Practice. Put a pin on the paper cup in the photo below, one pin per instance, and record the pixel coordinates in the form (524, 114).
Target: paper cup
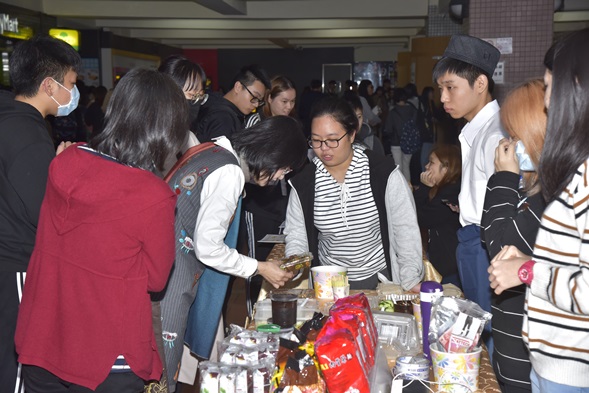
(456, 372)
(322, 276)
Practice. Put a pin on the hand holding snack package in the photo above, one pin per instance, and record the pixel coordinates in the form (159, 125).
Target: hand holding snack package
(295, 263)
(456, 325)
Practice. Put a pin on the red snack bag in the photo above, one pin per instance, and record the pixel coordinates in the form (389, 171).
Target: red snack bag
(365, 322)
(361, 300)
(344, 320)
(340, 361)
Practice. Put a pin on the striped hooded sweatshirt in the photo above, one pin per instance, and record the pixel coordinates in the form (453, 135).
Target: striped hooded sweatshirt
(556, 322)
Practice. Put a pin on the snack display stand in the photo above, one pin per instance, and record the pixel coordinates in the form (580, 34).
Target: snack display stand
(487, 380)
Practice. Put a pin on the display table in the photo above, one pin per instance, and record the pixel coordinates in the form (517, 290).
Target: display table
(487, 380)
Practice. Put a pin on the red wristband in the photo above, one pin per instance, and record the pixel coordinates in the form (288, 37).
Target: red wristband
(526, 272)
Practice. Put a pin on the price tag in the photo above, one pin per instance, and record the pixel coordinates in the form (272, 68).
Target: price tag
(397, 386)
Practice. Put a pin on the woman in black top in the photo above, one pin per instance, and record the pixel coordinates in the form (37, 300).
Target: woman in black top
(511, 216)
(440, 188)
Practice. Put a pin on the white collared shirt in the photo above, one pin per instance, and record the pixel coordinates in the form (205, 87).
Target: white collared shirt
(478, 141)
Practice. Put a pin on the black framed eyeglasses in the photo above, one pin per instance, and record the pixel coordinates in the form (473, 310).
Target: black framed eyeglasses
(331, 143)
(255, 100)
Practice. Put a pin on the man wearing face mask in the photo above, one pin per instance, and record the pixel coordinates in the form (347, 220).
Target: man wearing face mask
(43, 73)
(70, 127)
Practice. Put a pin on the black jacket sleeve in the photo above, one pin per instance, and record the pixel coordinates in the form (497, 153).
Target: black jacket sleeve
(509, 217)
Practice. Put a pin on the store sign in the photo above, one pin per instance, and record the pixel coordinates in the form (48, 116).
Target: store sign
(7, 24)
(72, 37)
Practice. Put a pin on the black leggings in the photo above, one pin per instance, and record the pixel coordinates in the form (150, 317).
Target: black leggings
(39, 380)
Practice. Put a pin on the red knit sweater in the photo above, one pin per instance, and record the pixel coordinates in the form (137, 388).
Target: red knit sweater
(105, 238)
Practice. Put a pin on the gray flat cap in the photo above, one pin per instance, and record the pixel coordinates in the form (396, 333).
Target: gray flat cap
(473, 50)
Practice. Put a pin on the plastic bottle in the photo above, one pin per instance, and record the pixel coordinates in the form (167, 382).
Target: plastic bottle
(430, 291)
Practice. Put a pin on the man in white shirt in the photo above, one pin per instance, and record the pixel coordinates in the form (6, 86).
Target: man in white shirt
(464, 75)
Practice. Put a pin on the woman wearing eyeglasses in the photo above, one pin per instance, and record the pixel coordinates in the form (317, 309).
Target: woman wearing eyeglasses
(352, 209)
(189, 77)
(209, 185)
(281, 100)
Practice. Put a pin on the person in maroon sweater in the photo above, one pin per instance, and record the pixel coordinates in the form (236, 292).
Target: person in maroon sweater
(105, 239)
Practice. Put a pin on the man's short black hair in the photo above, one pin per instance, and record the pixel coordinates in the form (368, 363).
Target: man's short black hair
(462, 69)
(251, 73)
(275, 143)
(38, 58)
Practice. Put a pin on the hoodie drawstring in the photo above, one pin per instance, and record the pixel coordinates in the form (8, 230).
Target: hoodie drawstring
(344, 196)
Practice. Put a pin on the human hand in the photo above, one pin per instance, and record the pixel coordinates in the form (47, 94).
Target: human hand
(508, 252)
(416, 288)
(62, 146)
(503, 271)
(454, 208)
(272, 273)
(427, 178)
(505, 158)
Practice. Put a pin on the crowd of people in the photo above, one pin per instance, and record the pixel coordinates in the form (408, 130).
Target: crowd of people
(120, 234)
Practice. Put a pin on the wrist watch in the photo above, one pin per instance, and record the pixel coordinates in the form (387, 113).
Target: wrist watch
(526, 272)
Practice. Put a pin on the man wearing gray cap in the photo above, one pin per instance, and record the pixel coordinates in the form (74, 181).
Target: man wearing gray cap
(464, 75)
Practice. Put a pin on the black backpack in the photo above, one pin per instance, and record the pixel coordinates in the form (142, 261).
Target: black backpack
(425, 132)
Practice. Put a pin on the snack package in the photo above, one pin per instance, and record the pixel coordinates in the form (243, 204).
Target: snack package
(222, 378)
(262, 378)
(343, 320)
(340, 287)
(368, 337)
(249, 338)
(361, 300)
(340, 361)
(209, 377)
(456, 324)
(296, 262)
(297, 370)
(312, 327)
(228, 379)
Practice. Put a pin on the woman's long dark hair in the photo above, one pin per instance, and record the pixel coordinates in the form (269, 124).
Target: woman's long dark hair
(187, 75)
(567, 136)
(363, 91)
(145, 121)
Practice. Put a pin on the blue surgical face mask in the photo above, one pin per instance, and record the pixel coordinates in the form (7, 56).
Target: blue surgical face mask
(525, 162)
(64, 110)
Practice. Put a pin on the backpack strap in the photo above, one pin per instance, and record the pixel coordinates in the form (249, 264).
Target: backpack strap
(186, 157)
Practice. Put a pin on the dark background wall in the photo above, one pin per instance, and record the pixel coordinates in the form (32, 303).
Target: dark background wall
(301, 66)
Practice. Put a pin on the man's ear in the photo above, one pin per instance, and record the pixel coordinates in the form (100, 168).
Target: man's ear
(481, 83)
(237, 87)
(47, 86)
